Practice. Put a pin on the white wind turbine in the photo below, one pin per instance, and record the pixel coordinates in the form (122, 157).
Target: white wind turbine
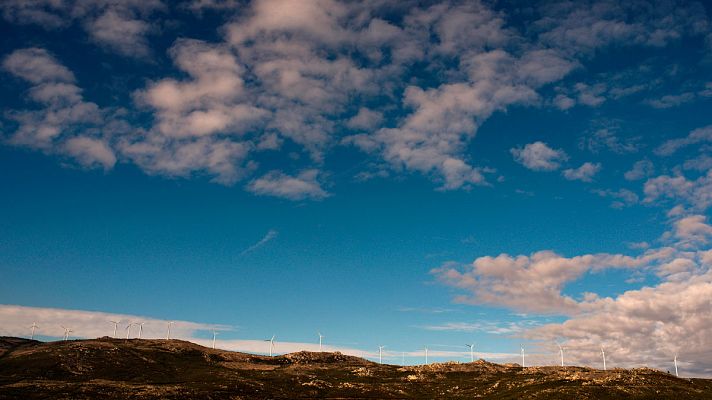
(128, 329)
(168, 334)
(140, 329)
(67, 331)
(214, 335)
(561, 353)
(271, 345)
(675, 361)
(34, 326)
(603, 355)
(116, 323)
(426, 355)
(320, 339)
(521, 347)
(472, 351)
(380, 354)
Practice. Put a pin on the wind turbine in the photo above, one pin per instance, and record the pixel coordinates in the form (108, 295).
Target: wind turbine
(426, 355)
(561, 353)
(67, 331)
(380, 354)
(320, 338)
(675, 361)
(271, 345)
(215, 334)
(472, 351)
(168, 334)
(128, 329)
(521, 347)
(603, 354)
(115, 325)
(34, 326)
(140, 329)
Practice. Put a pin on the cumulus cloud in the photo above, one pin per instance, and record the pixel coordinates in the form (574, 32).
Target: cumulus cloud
(640, 170)
(63, 123)
(530, 283)
(36, 65)
(584, 173)
(276, 183)
(124, 34)
(622, 197)
(311, 76)
(647, 325)
(90, 151)
(699, 135)
(538, 156)
(121, 26)
(695, 193)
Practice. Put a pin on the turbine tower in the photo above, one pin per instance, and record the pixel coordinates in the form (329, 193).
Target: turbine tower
(115, 325)
(168, 334)
(320, 339)
(426, 355)
(603, 354)
(675, 361)
(140, 329)
(215, 334)
(561, 353)
(380, 354)
(34, 326)
(67, 331)
(128, 329)
(271, 345)
(472, 351)
(521, 347)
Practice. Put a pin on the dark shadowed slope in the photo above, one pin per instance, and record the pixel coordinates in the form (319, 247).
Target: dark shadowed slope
(173, 369)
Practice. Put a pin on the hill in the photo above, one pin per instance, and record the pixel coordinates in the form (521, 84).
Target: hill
(172, 369)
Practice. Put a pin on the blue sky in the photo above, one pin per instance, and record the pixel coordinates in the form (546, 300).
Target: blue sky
(420, 174)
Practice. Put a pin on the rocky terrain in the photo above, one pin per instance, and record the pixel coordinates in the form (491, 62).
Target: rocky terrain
(172, 369)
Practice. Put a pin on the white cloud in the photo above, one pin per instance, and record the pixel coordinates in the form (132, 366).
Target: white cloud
(17, 321)
(608, 138)
(365, 119)
(89, 151)
(623, 197)
(641, 169)
(584, 173)
(671, 100)
(695, 193)
(300, 187)
(643, 326)
(269, 236)
(36, 65)
(118, 25)
(53, 128)
(699, 135)
(122, 33)
(284, 74)
(692, 231)
(530, 283)
(538, 156)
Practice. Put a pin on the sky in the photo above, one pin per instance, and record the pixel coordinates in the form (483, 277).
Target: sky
(403, 174)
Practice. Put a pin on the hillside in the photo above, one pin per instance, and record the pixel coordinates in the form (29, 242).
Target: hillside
(172, 369)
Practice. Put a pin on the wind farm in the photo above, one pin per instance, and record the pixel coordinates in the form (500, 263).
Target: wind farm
(161, 368)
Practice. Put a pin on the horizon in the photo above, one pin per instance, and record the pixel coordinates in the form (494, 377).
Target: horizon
(412, 174)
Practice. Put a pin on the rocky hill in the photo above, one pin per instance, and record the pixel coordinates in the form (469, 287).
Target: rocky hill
(172, 369)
